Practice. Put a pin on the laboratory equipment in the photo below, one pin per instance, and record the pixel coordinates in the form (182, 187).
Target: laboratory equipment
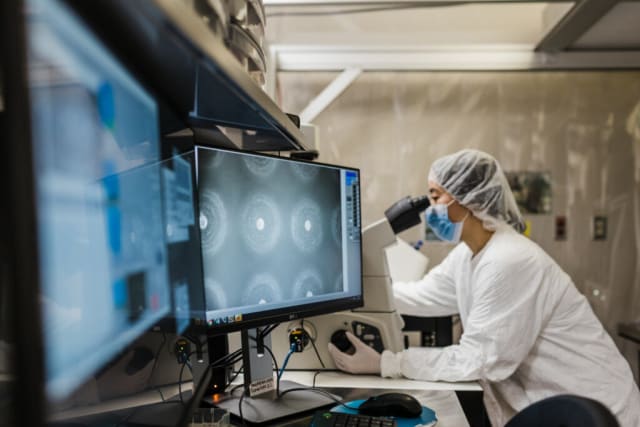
(377, 323)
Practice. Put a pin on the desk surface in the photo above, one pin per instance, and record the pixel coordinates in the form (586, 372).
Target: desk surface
(150, 397)
(341, 379)
(439, 396)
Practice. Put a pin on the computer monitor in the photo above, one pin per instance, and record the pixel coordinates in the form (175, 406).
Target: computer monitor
(280, 238)
(102, 253)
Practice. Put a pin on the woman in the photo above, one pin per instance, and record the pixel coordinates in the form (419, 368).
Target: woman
(528, 333)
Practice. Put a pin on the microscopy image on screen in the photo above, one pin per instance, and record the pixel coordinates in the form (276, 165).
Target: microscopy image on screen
(280, 223)
(263, 288)
(337, 283)
(304, 172)
(307, 284)
(260, 166)
(261, 223)
(306, 225)
(213, 222)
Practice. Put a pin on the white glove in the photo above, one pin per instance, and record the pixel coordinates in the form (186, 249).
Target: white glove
(365, 360)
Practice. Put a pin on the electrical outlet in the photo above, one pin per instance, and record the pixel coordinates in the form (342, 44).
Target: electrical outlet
(298, 338)
(301, 333)
(182, 350)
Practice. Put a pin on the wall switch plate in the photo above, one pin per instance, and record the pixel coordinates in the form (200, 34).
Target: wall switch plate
(599, 227)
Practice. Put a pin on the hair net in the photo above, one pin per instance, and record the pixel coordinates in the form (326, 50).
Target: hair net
(476, 181)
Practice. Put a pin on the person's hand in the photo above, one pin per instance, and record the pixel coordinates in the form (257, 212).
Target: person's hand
(365, 360)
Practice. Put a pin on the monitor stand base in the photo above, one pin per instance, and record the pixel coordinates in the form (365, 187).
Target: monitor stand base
(267, 407)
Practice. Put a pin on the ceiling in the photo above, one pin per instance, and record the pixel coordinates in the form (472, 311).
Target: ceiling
(427, 34)
(619, 28)
(422, 24)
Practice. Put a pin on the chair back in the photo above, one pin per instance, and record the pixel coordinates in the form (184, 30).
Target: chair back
(564, 411)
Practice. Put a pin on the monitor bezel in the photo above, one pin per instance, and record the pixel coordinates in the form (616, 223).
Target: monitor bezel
(300, 311)
(19, 235)
(168, 324)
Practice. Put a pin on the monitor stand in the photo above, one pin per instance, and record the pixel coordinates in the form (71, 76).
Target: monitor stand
(268, 406)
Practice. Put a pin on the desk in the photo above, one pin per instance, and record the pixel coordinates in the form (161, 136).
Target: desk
(120, 404)
(439, 396)
(341, 380)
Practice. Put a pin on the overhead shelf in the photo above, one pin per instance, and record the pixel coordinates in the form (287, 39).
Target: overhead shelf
(174, 52)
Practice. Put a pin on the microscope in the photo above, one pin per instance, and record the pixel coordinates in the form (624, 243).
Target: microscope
(377, 323)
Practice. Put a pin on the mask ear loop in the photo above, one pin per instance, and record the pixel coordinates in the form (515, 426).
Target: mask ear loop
(468, 210)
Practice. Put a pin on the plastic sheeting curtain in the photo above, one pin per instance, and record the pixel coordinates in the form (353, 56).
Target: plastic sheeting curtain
(583, 128)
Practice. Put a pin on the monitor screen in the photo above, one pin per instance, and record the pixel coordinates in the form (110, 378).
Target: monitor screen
(280, 238)
(98, 184)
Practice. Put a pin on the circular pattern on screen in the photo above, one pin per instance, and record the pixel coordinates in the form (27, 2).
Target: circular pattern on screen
(307, 284)
(215, 297)
(263, 289)
(306, 225)
(213, 221)
(260, 166)
(337, 284)
(304, 172)
(336, 226)
(260, 223)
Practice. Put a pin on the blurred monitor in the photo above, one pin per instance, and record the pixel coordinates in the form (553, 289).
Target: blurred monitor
(280, 238)
(98, 185)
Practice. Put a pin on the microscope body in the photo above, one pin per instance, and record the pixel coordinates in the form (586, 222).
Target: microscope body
(377, 323)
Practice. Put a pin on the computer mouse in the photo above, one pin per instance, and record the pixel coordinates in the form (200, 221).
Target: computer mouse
(391, 404)
(340, 340)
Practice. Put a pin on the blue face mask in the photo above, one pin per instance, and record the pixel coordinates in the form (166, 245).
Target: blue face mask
(437, 217)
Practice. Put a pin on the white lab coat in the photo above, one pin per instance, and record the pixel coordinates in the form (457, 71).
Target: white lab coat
(528, 333)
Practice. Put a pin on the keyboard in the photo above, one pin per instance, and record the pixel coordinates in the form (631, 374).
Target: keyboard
(332, 419)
